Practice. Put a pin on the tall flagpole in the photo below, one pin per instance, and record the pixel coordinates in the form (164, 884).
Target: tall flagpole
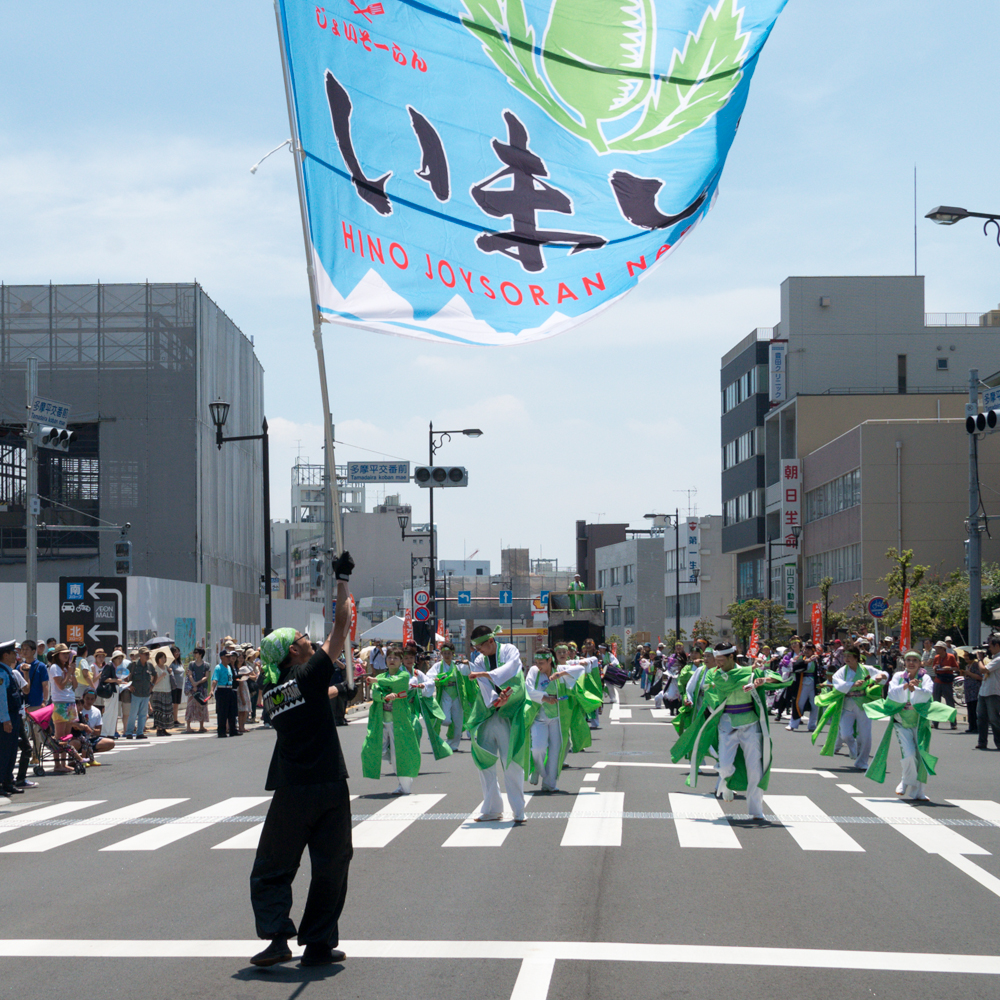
(333, 490)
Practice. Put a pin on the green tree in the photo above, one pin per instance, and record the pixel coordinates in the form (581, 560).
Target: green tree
(904, 573)
(743, 613)
(833, 621)
(703, 628)
(671, 637)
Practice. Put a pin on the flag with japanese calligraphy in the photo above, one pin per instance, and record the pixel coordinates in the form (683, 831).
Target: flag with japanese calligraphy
(498, 171)
(817, 624)
(754, 640)
(904, 624)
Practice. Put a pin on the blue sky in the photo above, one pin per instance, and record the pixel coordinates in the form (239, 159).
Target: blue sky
(126, 135)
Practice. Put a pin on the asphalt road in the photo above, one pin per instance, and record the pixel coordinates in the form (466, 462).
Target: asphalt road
(625, 886)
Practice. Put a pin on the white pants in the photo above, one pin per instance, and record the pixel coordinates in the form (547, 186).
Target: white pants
(806, 693)
(494, 736)
(907, 739)
(750, 740)
(546, 737)
(614, 692)
(109, 715)
(451, 705)
(389, 751)
(860, 747)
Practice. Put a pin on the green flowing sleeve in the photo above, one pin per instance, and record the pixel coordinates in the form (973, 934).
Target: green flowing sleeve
(832, 703)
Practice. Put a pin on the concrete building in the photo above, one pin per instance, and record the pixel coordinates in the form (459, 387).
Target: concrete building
(139, 365)
(849, 349)
(464, 567)
(707, 579)
(889, 483)
(589, 538)
(630, 573)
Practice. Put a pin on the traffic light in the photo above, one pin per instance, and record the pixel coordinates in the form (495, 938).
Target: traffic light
(123, 558)
(316, 574)
(56, 438)
(428, 476)
(982, 422)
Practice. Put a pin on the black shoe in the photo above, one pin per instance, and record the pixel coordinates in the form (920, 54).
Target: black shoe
(321, 954)
(274, 954)
(142, 736)
(978, 747)
(954, 725)
(221, 736)
(13, 790)
(129, 736)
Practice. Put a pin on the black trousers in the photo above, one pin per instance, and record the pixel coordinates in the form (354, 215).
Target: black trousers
(301, 816)
(8, 755)
(25, 759)
(225, 710)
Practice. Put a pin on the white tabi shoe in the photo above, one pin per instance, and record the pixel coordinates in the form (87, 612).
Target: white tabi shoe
(727, 794)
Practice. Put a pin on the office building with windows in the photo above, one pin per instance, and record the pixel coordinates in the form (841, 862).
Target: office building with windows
(846, 350)
(630, 573)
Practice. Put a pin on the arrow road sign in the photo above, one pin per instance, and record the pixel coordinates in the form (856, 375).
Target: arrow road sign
(544, 597)
(506, 597)
(98, 616)
(465, 597)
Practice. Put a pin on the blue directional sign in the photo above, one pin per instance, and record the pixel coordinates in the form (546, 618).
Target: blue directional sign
(465, 597)
(544, 597)
(506, 597)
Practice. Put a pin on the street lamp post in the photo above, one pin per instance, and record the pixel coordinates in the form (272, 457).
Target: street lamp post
(220, 412)
(796, 531)
(432, 449)
(948, 215)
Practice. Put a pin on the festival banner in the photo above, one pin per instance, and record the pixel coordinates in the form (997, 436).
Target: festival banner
(354, 618)
(904, 625)
(754, 640)
(407, 626)
(817, 624)
(498, 171)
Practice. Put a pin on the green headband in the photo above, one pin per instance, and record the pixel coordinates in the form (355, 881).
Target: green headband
(543, 656)
(487, 637)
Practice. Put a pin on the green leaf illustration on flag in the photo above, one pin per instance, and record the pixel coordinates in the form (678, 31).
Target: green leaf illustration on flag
(597, 57)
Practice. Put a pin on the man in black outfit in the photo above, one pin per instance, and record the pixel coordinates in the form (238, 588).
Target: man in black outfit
(311, 806)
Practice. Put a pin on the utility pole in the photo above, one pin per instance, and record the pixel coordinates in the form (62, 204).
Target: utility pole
(975, 551)
(677, 574)
(329, 473)
(31, 508)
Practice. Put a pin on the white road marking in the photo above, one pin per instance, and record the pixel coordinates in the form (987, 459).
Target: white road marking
(983, 808)
(617, 712)
(85, 827)
(596, 820)
(922, 830)
(45, 812)
(701, 822)
(984, 878)
(490, 834)
(660, 713)
(391, 820)
(878, 962)
(168, 833)
(809, 826)
(591, 776)
(704, 769)
(247, 840)
(533, 978)
(850, 789)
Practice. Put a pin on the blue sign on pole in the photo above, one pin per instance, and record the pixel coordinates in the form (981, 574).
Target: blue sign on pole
(877, 607)
(421, 614)
(544, 597)
(465, 597)
(506, 597)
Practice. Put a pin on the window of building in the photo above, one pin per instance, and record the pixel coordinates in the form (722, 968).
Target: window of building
(836, 495)
(750, 578)
(630, 573)
(614, 576)
(630, 616)
(942, 364)
(901, 374)
(840, 565)
(614, 615)
(743, 388)
(601, 577)
(690, 605)
(479, 572)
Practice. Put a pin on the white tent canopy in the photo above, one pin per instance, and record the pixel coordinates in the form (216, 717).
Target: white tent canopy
(390, 630)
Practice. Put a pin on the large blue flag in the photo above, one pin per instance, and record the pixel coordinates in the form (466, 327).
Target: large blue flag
(498, 171)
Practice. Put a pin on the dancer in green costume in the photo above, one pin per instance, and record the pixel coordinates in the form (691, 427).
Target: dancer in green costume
(548, 714)
(390, 727)
(690, 683)
(494, 694)
(738, 725)
(448, 694)
(425, 707)
(582, 703)
(842, 704)
(911, 710)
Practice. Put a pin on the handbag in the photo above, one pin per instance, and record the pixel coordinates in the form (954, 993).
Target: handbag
(202, 699)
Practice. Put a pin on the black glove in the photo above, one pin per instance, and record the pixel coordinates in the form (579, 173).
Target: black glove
(344, 566)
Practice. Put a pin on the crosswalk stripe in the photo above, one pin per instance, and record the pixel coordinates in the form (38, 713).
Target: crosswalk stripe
(45, 812)
(85, 827)
(247, 840)
(809, 826)
(168, 833)
(922, 830)
(701, 822)
(617, 712)
(492, 834)
(660, 713)
(592, 776)
(596, 820)
(391, 820)
(850, 789)
(982, 808)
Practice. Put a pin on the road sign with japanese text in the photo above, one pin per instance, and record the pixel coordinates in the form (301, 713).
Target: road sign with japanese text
(378, 472)
(498, 171)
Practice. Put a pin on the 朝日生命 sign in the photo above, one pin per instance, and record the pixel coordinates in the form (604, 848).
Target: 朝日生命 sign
(498, 171)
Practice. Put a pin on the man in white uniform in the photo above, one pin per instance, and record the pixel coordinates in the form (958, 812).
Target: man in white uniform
(447, 690)
(852, 681)
(494, 667)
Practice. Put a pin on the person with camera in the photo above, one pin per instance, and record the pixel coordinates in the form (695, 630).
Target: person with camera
(311, 806)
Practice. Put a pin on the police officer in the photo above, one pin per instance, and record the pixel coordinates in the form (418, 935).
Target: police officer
(10, 717)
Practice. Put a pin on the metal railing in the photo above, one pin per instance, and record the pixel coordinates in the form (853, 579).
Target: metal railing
(991, 318)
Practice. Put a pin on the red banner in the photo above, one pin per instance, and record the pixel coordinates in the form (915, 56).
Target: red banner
(354, 619)
(754, 640)
(904, 625)
(817, 624)
(407, 626)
